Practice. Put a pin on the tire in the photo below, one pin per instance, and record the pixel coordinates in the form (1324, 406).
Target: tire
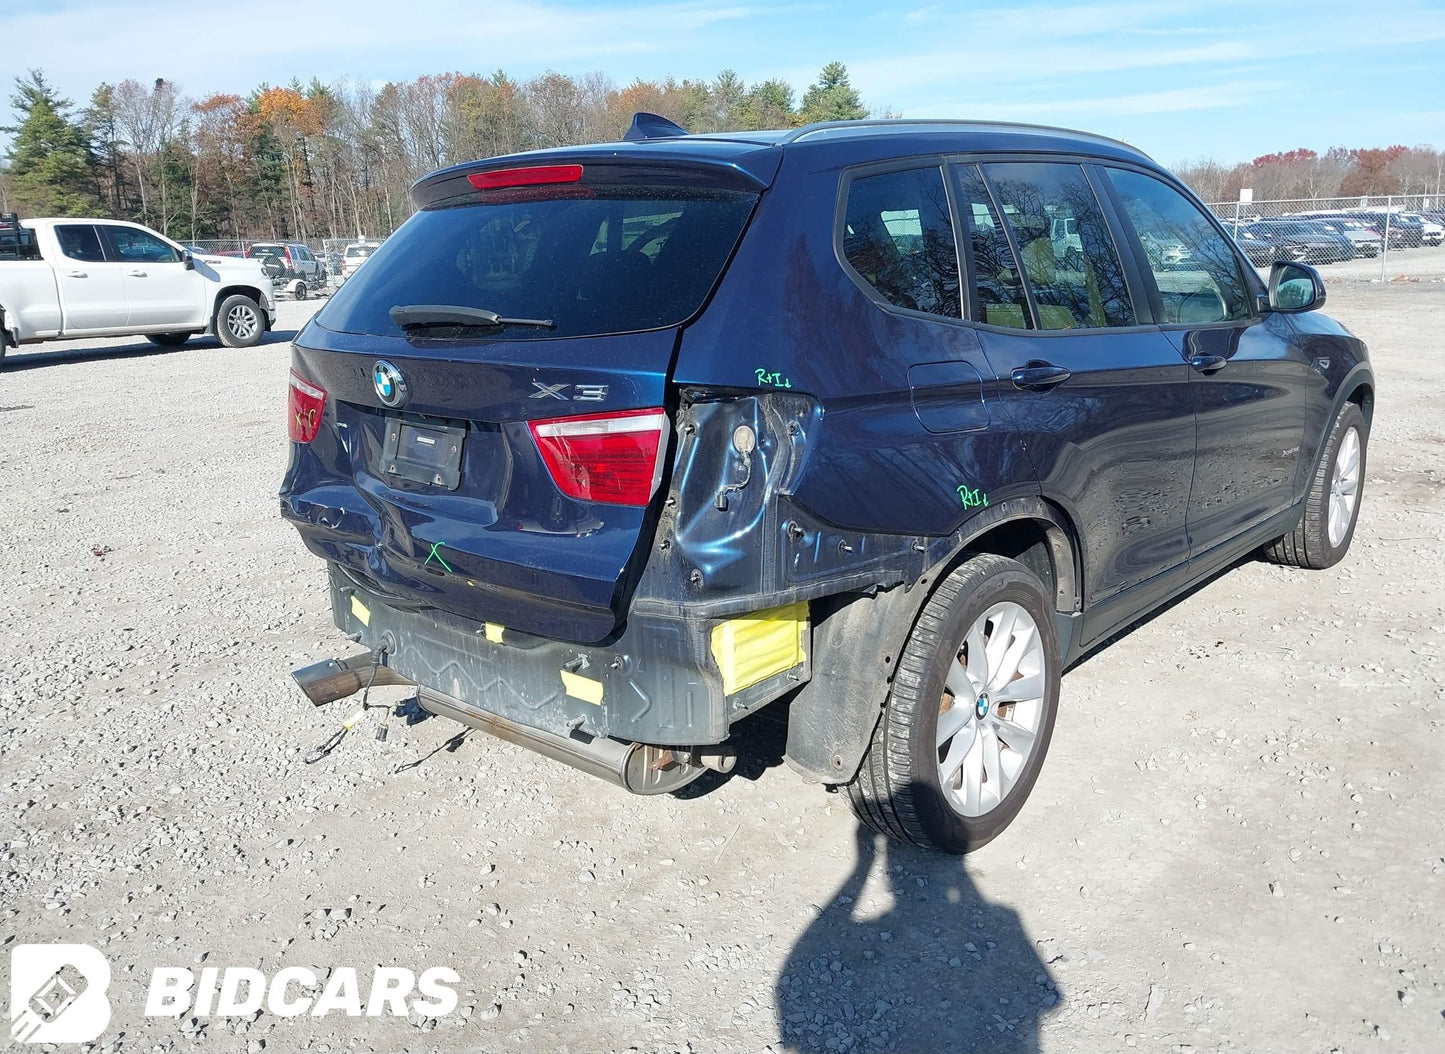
(232, 325)
(900, 788)
(299, 293)
(1318, 542)
(168, 340)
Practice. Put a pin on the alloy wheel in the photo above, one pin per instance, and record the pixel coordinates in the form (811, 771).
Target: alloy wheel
(992, 709)
(1344, 487)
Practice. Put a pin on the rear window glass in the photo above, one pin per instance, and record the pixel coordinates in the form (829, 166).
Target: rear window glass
(620, 260)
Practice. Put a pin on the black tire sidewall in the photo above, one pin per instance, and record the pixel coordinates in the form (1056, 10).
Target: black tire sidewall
(1349, 417)
(946, 827)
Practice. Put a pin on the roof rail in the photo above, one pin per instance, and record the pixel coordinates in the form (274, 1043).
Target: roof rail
(902, 123)
(651, 126)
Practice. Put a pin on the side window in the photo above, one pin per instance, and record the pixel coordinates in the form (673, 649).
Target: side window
(998, 294)
(1068, 255)
(78, 241)
(1195, 270)
(135, 246)
(898, 237)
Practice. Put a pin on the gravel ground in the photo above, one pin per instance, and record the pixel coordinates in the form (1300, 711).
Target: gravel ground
(1237, 843)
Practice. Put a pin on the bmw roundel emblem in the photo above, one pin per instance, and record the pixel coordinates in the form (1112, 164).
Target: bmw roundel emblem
(390, 385)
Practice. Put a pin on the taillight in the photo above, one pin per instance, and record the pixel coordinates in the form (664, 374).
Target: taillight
(287, 251)
(612, 458)
(303, 412)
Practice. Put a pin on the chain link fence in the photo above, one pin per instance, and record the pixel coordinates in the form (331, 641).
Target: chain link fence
(330, 252)
(1385, 238)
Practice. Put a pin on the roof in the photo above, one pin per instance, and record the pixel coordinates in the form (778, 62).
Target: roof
(755, 155)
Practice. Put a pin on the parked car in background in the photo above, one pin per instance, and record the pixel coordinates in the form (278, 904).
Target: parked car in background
(1365, 239)
(354, 256)
(64, 278)
(608, 448)
(291, 266)
(1431, 231)
(1266, 241)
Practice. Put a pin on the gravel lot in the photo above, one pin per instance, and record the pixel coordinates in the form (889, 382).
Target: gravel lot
(1238, 842)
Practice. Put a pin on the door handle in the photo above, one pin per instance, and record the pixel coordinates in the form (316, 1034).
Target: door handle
(1039, 376)
(1208, 363)
(136, 274)
(75, 274)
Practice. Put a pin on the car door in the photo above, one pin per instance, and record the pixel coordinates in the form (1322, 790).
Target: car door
(1246, 377)
(92, 288)
(163, 292)
(1101, 396)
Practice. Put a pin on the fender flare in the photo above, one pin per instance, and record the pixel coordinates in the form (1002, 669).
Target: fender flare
(831, 718)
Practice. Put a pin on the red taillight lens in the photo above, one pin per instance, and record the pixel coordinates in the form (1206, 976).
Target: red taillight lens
(533, 176)
(303, 413)
(612, 458)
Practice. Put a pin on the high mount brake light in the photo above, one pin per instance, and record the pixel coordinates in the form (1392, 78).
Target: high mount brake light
(613, 458)
(532, 176)
(303, 412)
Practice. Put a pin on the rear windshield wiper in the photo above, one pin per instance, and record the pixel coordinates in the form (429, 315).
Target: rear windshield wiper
(427, 316)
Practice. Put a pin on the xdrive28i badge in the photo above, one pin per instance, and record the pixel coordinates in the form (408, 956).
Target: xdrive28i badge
(389, 383)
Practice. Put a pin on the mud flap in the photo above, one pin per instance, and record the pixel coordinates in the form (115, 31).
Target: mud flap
(855, 647)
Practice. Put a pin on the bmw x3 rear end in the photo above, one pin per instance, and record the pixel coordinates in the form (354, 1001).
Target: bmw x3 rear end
(609, 447)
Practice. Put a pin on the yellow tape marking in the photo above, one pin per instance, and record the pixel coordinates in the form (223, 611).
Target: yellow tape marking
(360, 610)
(494, 632)
(584, 688)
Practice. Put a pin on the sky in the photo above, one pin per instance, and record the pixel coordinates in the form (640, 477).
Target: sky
(1185, 80)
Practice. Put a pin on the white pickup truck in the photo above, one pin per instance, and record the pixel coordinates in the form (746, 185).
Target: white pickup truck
(67, 278)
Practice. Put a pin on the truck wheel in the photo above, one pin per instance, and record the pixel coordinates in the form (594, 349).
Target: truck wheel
(1332, 507)
(239, 322)
(300, 291)
(970, 714)
(168, 340)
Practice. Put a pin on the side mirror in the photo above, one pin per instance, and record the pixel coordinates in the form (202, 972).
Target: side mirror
(1295, 287)
(188, 260)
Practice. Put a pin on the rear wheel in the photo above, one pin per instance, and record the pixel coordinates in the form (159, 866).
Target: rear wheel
(968, 721)
(1332, 507)
(168, 340)
(300, 291)
(239, 322)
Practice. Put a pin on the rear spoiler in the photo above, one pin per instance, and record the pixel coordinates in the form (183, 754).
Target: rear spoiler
(676, 161)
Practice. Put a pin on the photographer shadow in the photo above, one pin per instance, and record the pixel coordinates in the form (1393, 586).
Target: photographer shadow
(941, 969)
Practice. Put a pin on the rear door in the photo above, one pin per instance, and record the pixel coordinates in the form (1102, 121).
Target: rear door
(1247, 380)
(161, 290)
(506, 470)
(92, 287)
(1101, 396)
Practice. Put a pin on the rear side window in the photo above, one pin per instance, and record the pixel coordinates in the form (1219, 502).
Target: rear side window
(998, 293)
(621, 259)
(898, 238)
(1194, 268)
(78, 241)
(1068, 255)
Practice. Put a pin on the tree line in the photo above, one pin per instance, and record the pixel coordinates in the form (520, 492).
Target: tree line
(331, 161)
(317, 161)
(1304, 174)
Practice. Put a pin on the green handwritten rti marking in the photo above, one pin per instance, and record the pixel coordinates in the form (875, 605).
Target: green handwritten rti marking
(435, 554)
(772, 380)
(972, 499)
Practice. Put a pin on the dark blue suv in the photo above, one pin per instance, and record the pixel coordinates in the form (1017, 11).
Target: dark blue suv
(610, 446)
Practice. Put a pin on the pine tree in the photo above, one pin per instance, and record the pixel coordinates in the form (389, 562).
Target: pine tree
(52, 170)
(832, 98)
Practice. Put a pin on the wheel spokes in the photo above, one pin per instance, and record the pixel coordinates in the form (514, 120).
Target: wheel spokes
(958, 751)
(953, 720)
(1022, 690)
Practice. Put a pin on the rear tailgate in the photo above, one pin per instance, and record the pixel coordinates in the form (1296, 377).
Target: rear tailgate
(507, 472)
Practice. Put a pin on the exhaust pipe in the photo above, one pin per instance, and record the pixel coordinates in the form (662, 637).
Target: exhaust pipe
(636, 767)
(326, 682)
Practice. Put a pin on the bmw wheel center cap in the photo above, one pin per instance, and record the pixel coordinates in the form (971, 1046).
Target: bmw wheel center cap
(390, 385)
(981, 707)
